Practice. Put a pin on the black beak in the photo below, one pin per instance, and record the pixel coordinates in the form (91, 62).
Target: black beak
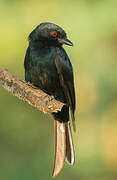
(65, 41)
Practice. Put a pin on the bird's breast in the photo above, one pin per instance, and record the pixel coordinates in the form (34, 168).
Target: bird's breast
(43, 71)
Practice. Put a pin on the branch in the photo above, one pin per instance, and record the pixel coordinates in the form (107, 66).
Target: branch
(28, 93)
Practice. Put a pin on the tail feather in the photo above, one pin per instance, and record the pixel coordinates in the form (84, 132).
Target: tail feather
(70, 157)
(60, 147)
(64, 149)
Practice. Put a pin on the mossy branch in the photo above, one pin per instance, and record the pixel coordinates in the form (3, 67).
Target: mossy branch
(28, 93)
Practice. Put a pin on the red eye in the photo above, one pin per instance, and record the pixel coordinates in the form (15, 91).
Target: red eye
(54, 33)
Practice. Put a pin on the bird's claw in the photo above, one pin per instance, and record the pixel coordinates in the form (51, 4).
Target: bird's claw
(49, 98)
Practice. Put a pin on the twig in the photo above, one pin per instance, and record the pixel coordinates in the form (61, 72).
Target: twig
(28, 92)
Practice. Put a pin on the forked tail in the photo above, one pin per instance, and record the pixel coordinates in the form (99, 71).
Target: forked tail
(64, 149)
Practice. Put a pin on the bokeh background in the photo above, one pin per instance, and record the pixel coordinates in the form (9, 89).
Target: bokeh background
(27, 135)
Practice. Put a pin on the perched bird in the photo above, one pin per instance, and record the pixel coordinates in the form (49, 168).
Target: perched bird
(48, 67)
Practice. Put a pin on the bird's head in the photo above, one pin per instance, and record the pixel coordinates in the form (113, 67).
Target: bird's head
(49, 34)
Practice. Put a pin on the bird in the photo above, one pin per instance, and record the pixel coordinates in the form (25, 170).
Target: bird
(48, 67)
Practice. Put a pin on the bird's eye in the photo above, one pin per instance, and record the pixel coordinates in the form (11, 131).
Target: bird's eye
(53, 34)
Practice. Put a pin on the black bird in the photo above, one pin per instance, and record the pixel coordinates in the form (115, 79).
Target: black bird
(48, 67)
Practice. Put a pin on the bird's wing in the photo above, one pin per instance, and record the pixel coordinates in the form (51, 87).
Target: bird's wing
(65, 72)
(27, 57)
(26, 65)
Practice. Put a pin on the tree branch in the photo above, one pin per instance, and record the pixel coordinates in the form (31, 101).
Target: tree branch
(28, 93)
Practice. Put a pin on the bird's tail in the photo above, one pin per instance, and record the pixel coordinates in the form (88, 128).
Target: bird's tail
(70, 157)
(60, 147)
(64, 149)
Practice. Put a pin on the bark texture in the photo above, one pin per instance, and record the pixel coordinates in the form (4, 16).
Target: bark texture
(28, 93)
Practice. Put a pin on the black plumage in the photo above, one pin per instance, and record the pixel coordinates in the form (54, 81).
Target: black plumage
(48, 67)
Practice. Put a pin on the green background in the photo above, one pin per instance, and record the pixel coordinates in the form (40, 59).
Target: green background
(27, 135)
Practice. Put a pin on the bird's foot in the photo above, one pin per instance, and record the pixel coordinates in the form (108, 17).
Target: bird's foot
(31, 84)
(49, 98)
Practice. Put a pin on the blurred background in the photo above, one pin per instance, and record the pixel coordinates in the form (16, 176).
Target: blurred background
(27, 135)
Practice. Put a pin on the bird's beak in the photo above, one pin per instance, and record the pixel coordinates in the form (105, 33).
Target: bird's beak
(65, 41)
